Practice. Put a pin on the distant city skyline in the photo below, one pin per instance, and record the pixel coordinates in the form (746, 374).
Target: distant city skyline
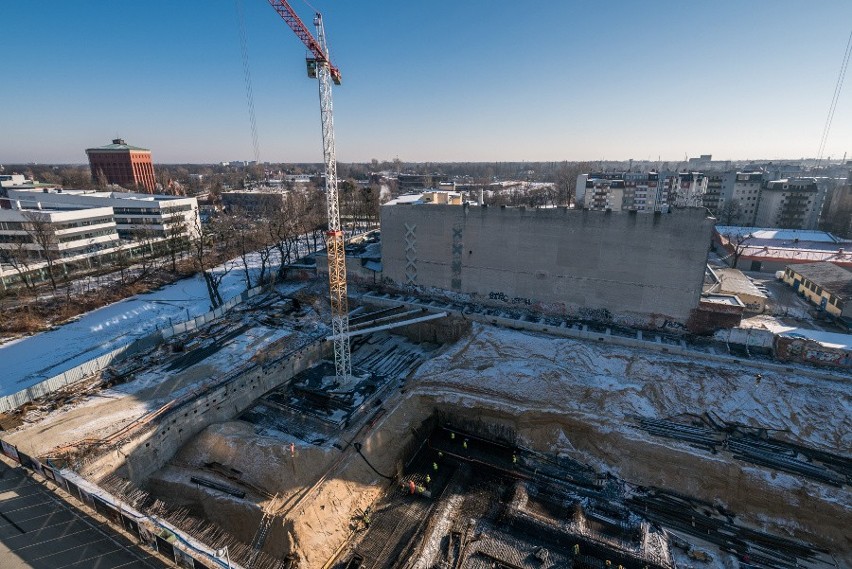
(429, 82)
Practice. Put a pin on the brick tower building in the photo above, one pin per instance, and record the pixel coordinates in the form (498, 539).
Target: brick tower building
(122, 164)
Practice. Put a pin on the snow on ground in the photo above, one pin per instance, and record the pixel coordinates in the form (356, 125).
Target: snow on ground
(28, 361)
(606, 385)
(212, 353)
(33, 359)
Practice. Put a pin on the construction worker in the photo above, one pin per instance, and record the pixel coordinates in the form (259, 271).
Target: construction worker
(435, 466)
(452, 436)
(464, 444)
(514, 458)
(428, 479)
(411, 486)
(440, 455)
(576, 549)
(608, 563)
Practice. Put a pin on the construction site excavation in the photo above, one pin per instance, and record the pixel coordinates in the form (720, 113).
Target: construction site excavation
(470, 386)
(454, 442)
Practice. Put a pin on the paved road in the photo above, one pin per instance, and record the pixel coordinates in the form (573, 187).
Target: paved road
(39, 531)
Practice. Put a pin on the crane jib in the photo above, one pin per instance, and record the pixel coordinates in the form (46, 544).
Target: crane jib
(303, 33)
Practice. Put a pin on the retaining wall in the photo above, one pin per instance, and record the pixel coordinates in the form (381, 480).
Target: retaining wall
(146, 453)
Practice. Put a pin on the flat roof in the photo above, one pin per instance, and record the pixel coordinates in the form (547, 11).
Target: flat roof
(735, 282)
(829, 276)
(415, 198)
(117, 145)
(101, 194)
(828, 339)
(790, 236)
(728, 299)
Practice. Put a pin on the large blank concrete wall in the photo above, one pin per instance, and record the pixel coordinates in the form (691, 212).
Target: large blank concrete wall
(629, 264)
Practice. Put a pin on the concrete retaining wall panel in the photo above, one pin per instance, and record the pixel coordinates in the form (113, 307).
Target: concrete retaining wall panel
(146, 454)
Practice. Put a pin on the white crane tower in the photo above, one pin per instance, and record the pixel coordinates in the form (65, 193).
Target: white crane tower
(320, 67)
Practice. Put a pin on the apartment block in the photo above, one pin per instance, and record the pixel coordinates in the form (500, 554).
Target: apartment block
(789, 203)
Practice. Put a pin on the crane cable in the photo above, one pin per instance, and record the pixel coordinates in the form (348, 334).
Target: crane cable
(837, 88)
(311, 7)
(247, 79)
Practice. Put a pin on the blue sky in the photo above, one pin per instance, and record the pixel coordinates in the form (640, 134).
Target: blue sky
(438, 80)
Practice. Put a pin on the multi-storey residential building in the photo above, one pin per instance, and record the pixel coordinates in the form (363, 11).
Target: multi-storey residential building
(603, 194)
(155, 216)
(122, 164)
(789, 204)
(720, 186)
(836, 214)
(689, 189)
(741, 207)
(631, 191)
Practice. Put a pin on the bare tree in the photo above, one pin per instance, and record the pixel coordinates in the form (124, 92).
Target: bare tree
(203, 249)
(177, 240)
(731, 213)
(42, 232)
(78, 177)
(144, 239)
(19, 256)
(739, 242)
(121, 260)
(283, 225)
(245, 235)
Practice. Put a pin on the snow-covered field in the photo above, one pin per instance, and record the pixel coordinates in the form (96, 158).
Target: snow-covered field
(28, 361)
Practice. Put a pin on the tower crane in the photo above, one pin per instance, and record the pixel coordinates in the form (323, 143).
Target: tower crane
(320, 67)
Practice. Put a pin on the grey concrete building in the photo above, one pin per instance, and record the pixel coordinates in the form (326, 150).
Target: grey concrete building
(789, 204)
(640, 267)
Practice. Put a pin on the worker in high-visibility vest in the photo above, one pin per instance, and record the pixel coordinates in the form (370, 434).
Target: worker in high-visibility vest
(435, 466)
(428, 479)
(464, 444)
(576, 549)
(452, 436)
(514, 458)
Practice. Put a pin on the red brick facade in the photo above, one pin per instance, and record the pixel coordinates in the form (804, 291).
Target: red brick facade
(118, 163)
